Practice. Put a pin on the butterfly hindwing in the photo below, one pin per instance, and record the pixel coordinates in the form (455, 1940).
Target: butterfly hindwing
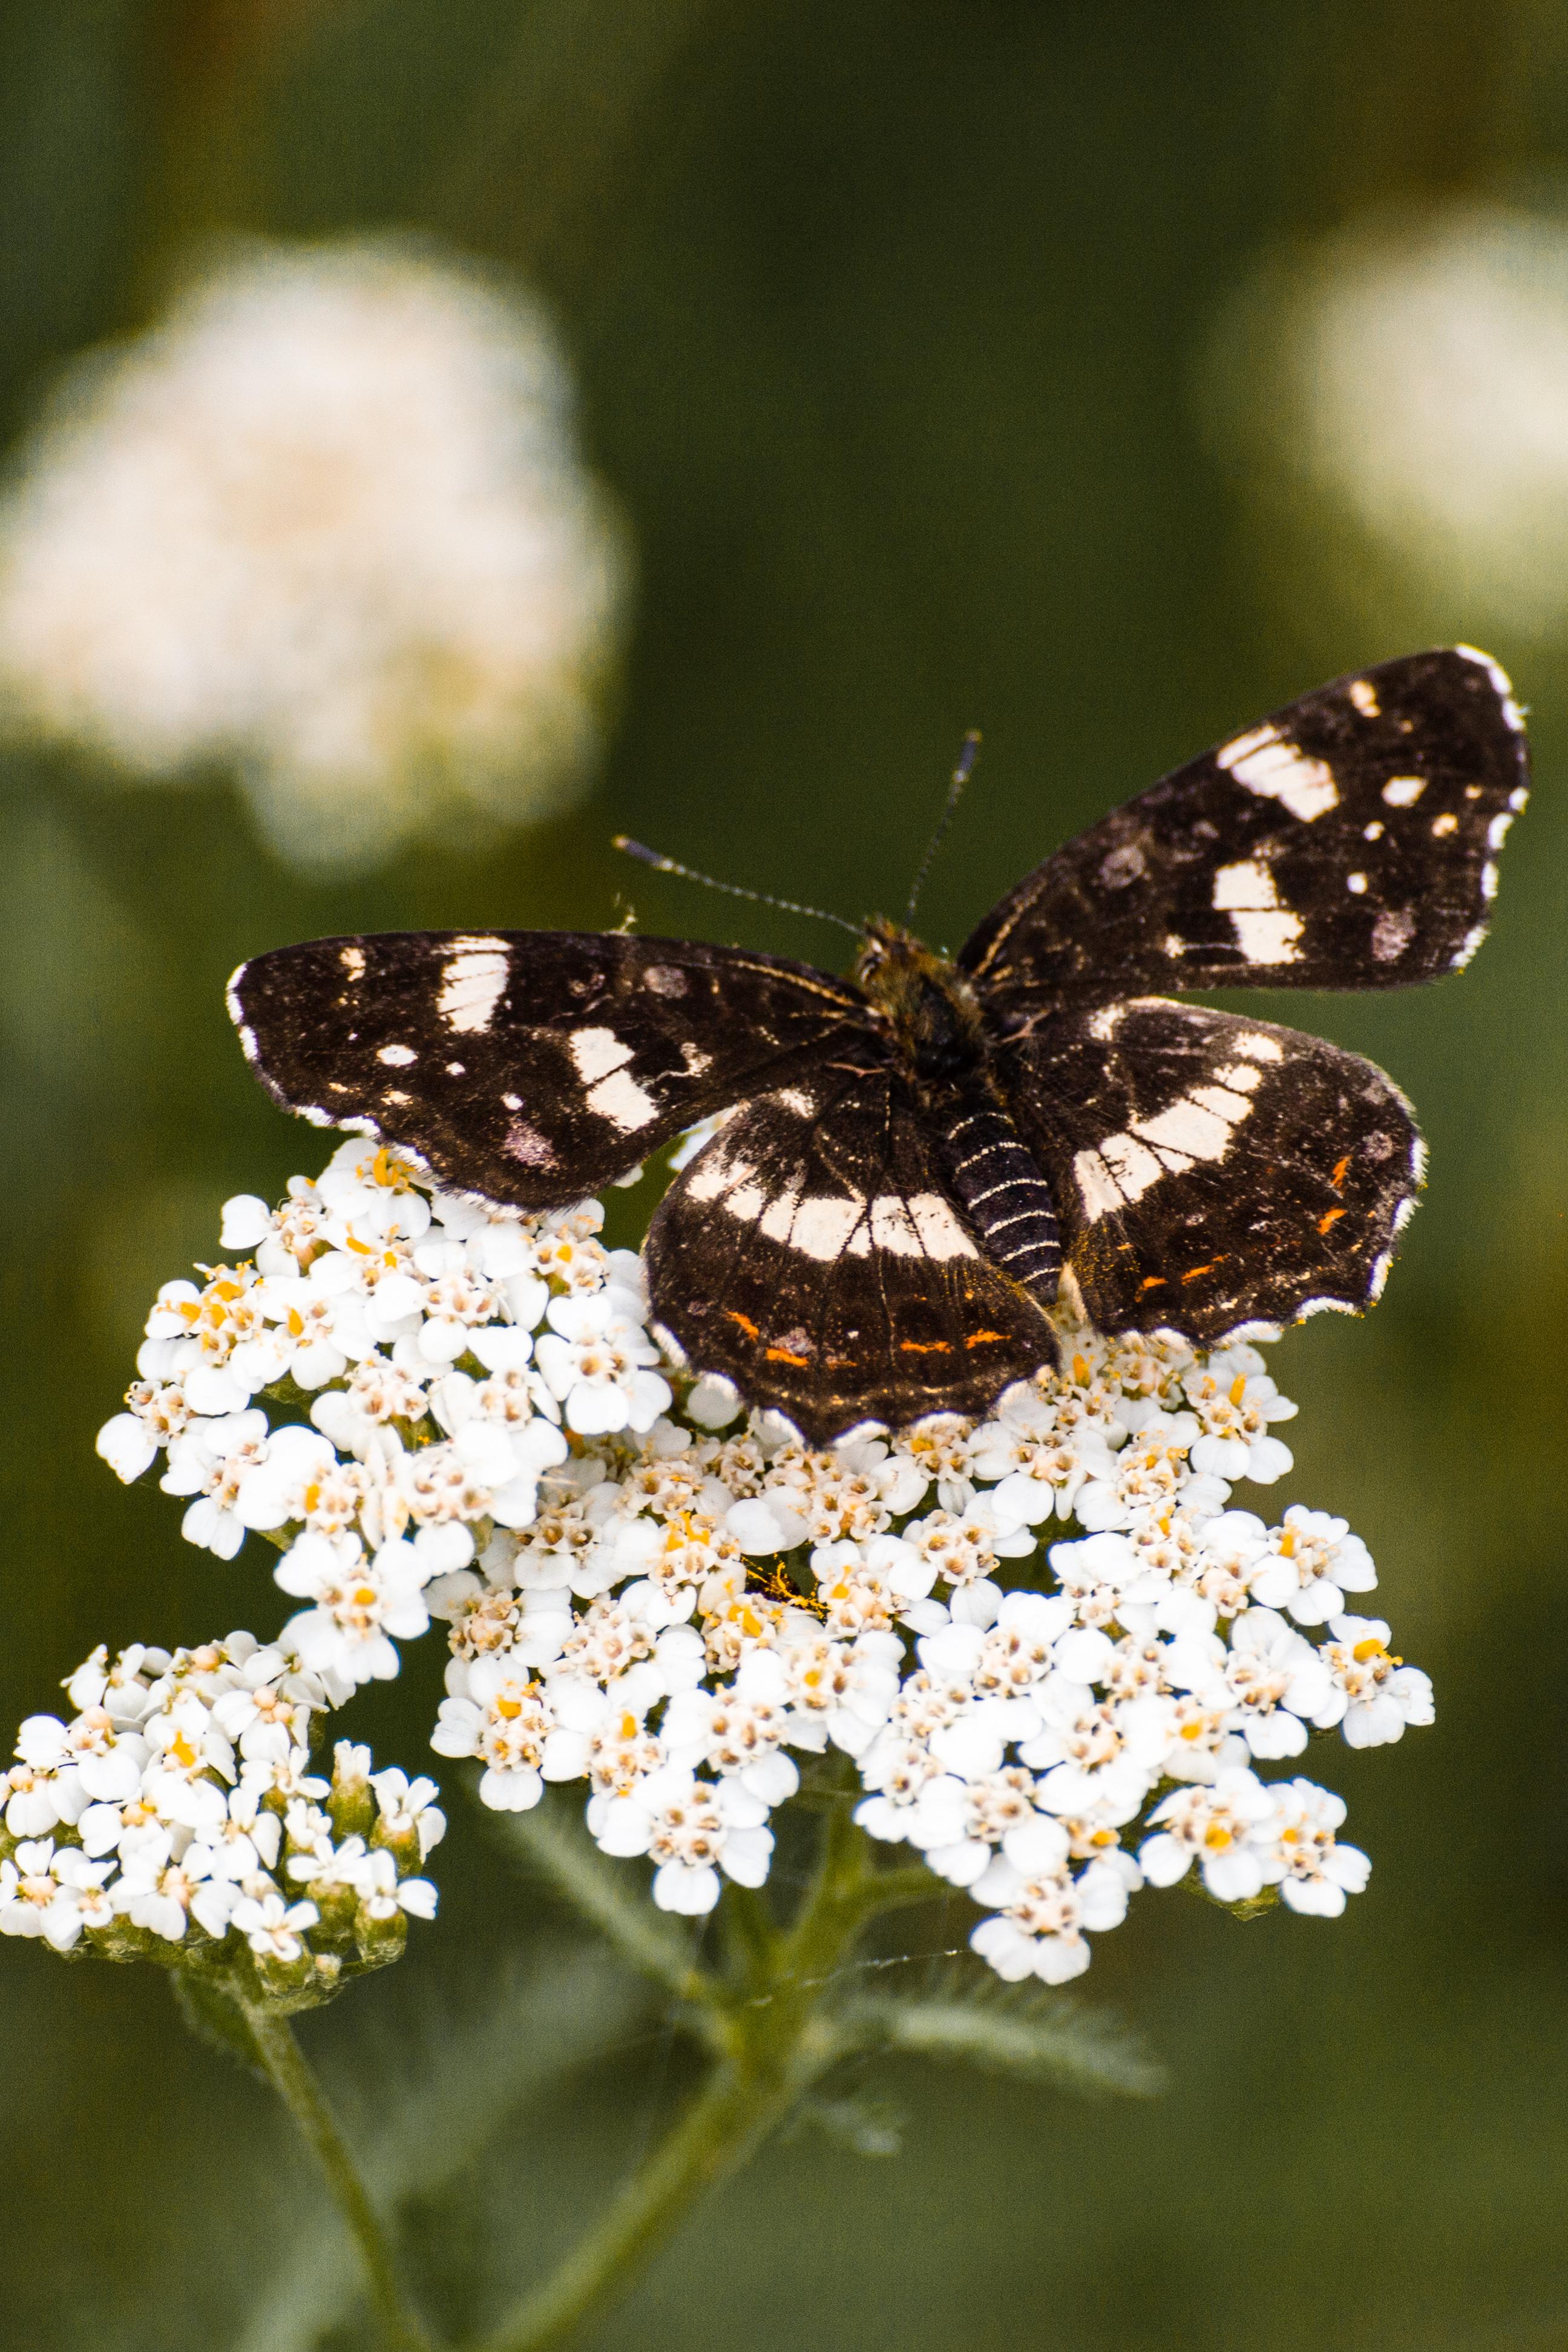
(531, 1066)
(811, 1254)
(1348, 842)
(1211, 1171)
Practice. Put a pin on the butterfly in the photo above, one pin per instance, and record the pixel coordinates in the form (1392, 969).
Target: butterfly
(914, 1159)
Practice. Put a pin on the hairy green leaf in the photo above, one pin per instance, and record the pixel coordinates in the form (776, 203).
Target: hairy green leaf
(1030, 2029)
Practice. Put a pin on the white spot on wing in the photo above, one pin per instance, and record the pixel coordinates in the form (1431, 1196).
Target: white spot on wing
(779, 1215)
(1364, 697)
(1267, 936)
(822, 1228)
(621, 1100)
(396, 1057)
(893, 1228)
(471, 984)
(1199, 1129)
(1246, 884)
(696, 1060)
(1227, 1103)
(1374, 830)
(1472, 941)
(1132, 1167)
(1265, 932)
(1198, 1126)
(708, 1179)
(1404, 792)
(1097, 1188)
(1445, 824)
(1277, 771)
(672, 1346)
(793, 1099)
(596, 1052)
(1502, 683)
(1355, 884)
(1262, 1047)
(941, 1234)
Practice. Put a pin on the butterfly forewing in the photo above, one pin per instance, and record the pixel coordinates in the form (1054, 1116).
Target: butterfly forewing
(811, 1255)
(1347, 842)
(1209, 1170)
(531, 1066)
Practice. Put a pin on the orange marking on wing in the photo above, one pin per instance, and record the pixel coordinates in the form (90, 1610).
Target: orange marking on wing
(1193, 1272)
(1337, 1179)
(782, 1356)
(978, 1338)
(1152, 1282)
(1325, 1222)
(746, 1325)
(923, 1346)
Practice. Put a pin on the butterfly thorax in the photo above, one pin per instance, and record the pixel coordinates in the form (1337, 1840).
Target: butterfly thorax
(934, 1018)
(928, 1006)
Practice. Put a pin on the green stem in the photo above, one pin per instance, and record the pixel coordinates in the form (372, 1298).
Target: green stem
(302, 2095)
(751, 1937)
(727, 2121)
(776, 2044)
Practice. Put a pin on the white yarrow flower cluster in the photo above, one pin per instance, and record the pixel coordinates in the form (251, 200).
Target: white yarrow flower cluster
(673, 1604)
(178, 1809)
(327, 524)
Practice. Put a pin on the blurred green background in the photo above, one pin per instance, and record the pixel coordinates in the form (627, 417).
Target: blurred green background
(896, 328)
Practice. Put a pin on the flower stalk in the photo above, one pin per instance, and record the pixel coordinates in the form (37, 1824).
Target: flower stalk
(770, 2020)
(278, 2053)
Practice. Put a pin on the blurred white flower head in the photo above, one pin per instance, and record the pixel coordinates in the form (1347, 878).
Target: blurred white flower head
(326, 524)
(1409, 375)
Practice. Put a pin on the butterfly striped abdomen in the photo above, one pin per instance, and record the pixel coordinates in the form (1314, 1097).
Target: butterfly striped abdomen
(1002, 1193)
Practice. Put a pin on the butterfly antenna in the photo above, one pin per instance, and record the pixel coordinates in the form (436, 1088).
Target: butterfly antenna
(731, 889)
(961, 775)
